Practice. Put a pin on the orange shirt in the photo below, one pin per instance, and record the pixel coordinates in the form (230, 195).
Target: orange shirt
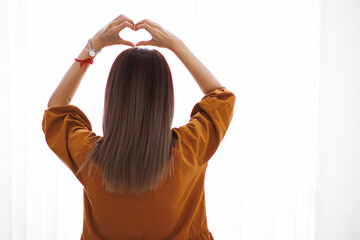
(176, 210)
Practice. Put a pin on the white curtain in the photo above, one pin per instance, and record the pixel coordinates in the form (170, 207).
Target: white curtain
(268, 179)
(338, 172)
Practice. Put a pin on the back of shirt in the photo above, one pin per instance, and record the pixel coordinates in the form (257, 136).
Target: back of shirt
(174, 211)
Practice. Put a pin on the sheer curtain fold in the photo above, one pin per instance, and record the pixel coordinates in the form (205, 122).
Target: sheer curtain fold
(5, 178)
(261, 182)
(338, 182)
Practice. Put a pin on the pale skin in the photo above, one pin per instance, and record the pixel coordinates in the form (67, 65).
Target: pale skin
(109, 35)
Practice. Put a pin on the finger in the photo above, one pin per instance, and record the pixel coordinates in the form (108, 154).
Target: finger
(124, 25)
(147, 21)
(118, 17)
(143, 43)
(140, 22)
(124, 18)
(145, 26)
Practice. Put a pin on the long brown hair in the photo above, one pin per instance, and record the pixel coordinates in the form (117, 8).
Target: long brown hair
(135, 153)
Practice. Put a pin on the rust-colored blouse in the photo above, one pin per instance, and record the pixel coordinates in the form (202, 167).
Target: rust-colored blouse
(174, 211)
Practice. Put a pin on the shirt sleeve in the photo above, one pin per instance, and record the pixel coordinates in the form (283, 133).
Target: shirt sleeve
(69, 134)
(209, 121)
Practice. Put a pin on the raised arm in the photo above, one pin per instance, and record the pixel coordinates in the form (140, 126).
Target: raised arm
(163, 38)
(108, 35)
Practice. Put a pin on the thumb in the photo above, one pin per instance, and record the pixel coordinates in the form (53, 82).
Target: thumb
(122, 41)
(145, 43)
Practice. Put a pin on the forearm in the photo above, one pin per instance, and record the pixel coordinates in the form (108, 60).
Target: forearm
(106, 36)
(204, 78)
(71, 80)
(163, 38)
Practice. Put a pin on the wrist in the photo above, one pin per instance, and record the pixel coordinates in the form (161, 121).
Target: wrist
(96, 44)
(176, 46)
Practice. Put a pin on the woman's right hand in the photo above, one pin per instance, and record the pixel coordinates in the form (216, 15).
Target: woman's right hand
(160, 36)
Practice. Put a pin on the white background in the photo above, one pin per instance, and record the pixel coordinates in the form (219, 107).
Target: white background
(288, 167)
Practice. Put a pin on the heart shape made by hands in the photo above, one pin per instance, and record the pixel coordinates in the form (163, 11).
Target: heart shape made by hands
(133, 36)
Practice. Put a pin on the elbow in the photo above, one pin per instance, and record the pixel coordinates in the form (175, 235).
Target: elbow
(49, 104)
(52, 102)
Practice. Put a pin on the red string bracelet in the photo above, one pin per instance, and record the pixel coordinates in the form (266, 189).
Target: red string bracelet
(85, 61)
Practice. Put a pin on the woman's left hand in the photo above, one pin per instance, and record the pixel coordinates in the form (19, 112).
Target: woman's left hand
(109, 35)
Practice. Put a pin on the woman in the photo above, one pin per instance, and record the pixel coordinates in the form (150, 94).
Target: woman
(142, 179)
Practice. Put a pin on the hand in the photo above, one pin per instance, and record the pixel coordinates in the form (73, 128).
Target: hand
(160, 36)
(109, 35)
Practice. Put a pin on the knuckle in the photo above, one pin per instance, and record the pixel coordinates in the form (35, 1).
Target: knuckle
(113, 23)
(121, 18)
